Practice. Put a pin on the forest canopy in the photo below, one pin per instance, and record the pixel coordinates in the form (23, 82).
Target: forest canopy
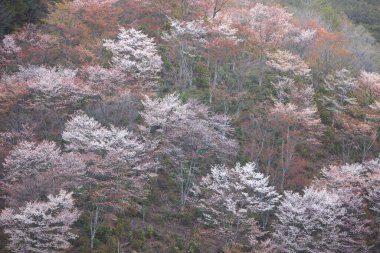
(199, 126)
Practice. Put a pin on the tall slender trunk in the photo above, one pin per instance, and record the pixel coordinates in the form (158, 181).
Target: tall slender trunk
(94, 226)
(261, 68)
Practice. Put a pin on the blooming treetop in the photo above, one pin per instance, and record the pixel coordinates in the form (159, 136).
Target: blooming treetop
(286, 62)
(135, 53)
(41, 226)
(232, 194)
(85, 133)
(31, 159)
(188, 125)
(316, 222)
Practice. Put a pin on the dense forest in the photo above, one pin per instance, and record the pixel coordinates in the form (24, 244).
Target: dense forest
(198, 126)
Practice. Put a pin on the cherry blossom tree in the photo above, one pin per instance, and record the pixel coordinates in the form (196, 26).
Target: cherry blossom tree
(195, 29)
(28, 158)
(354, 176)
(371, 79)
(283, 89)
(120, 147)
(358, 178)
(81, 131)
(296, 120)
(354, 183)
(306, 117)
(41, 226)
(189, 124)
(50, 86)
(316, 222)
(33, 170)
(184, 132)
(286, 62)
(357, 136)
(135, 54)
(85, 133)
(230, 196)
(373, 196)
(370, 82)
(340, 86)
(271, 23)
(121, 164)
(119, 158)
(300, 38)
(41, 78)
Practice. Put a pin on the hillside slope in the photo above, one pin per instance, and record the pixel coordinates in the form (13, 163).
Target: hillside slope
(194, 126)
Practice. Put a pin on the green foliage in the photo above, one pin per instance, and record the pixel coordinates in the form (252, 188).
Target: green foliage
(328, 12)
(365, 12)
(175, 249)
(194, 247)
(201, 95)
(179, 243)
(202, 78)
(6, 19)
(14, 13)
(327, 116)
(324, 7)
(121, 227)
(330, 141)
(263, 92)
(304, 150)
(150, 231)
(137, 239)
(190, 216)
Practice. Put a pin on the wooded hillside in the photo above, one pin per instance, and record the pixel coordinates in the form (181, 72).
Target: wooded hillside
(195, 126)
